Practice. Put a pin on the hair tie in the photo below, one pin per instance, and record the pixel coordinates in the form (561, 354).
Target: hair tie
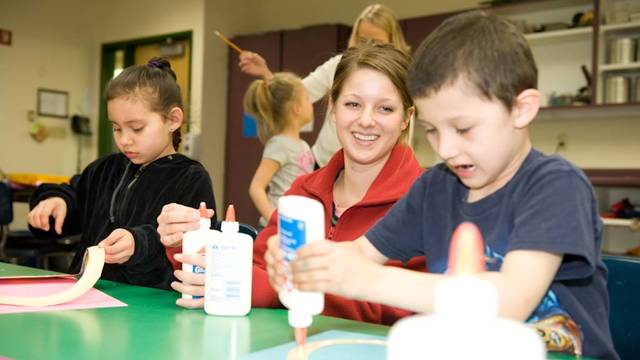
(154, 64)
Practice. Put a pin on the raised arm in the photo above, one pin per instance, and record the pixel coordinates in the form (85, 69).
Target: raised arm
(255, 65)
(258, 187)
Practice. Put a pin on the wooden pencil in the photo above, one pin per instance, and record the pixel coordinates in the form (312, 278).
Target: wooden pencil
(228, 42)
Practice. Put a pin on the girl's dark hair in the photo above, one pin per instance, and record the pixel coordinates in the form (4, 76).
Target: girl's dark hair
(155, 82)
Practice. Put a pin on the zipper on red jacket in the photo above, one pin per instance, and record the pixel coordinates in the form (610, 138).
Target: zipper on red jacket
(332, 229)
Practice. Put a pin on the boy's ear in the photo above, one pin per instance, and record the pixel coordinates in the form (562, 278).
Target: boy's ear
(526, 107)
(175, 117)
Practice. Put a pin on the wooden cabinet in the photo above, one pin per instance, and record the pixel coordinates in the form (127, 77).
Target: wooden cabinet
(305, 49)
(243, 153)
(299, 51)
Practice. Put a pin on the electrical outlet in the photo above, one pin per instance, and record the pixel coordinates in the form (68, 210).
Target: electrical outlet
(561, 145)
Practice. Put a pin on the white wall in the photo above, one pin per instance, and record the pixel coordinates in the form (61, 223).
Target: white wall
(53, 49)
(285, 14)
(48, 51)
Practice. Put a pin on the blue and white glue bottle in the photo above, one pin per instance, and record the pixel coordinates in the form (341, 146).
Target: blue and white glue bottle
(300, 221)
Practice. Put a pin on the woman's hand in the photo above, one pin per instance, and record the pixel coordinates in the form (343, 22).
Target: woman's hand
(39, 216)
(253, 64)
(175, 220)
(275, 265)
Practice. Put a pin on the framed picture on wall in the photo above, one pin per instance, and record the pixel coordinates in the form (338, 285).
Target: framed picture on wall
(53, 103)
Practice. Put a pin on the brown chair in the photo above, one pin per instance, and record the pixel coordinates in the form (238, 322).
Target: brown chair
(19, 246)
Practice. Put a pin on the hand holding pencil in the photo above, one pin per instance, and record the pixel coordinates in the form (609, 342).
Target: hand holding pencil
(250, 63)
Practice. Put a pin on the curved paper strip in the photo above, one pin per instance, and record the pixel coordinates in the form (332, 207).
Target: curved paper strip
(303, 352)
(93, 264)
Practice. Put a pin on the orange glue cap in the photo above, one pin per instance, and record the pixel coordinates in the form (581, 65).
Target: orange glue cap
(203, 209)
(466, 253)
(231, 214)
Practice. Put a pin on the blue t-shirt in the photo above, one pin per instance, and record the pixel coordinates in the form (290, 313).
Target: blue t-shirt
(550, 206)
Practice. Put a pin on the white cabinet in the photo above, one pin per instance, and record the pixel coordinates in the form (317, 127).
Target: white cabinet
(618, 59)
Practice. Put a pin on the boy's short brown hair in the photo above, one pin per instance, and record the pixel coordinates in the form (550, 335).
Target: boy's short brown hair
(484, 49)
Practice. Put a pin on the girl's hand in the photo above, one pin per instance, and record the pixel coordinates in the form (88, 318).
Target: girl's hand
(175, 220)
(119, 246)
(39, 216)
(275, 265)
(253, 64)
(190, 283)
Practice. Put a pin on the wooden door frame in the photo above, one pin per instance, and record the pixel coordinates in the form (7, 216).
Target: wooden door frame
(107, 65)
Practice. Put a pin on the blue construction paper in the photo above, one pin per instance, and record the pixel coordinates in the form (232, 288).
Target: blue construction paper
(249, 127)
(337, 352)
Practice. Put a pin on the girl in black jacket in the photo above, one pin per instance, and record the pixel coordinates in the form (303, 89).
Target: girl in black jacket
(116, 200)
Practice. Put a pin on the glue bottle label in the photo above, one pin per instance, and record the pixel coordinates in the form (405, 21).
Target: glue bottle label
(196, 270)
(225, 279)
(292, 237)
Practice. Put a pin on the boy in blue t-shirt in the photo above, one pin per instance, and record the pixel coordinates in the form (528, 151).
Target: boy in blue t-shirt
(474, 83)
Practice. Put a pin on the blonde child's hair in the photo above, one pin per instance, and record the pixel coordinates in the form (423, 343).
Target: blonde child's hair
(269, 101)
(382, 17)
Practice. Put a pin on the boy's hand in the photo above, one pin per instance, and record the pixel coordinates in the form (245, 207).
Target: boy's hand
(275, 265)
(175, 220)
(330, 267)
(119, 246)
(195, 282)
(39, 216)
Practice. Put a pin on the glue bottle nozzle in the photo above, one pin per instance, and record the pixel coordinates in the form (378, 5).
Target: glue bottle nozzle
(203, 210)
(231, 214)
(466, 254)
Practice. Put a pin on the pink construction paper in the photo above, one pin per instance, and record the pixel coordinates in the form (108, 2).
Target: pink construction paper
(41, 287)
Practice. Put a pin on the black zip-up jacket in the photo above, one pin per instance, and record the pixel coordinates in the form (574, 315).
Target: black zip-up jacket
(114, 193)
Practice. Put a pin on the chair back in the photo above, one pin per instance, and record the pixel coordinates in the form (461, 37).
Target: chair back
(624, 304)
(6, 204)
(244, 229)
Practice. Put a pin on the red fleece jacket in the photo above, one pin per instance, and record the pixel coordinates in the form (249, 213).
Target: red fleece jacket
(392, 183)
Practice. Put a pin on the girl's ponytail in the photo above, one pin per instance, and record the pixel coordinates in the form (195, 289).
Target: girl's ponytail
(268, 102)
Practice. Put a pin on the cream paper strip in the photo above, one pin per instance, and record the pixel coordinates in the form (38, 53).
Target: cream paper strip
(92, 264)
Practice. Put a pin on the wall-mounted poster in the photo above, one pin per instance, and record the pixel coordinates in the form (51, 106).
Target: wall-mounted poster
(53, 103)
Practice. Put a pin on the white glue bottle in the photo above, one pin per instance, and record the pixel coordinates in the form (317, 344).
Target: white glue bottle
(194, 241)
(465, 323)
(229, 270)
(300, 221)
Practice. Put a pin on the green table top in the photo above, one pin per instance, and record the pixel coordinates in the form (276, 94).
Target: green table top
(151, 327)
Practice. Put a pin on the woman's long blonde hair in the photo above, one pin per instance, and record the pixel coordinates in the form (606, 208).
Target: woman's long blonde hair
(382, 17)
(269, 101)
